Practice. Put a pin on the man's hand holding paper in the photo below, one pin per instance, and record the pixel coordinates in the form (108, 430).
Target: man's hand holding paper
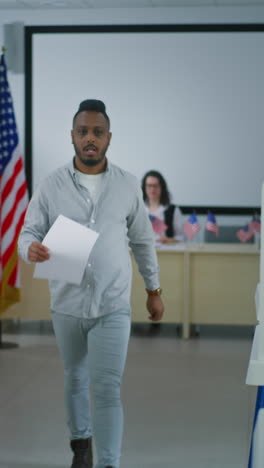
(38, 252)
(65, 251)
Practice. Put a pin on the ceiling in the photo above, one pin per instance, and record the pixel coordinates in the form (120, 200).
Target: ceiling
(40, 4)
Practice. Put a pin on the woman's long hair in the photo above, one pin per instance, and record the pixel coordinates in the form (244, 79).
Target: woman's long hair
(165, 195)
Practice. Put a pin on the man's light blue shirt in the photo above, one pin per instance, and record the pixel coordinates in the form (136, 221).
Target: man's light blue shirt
(120, 218)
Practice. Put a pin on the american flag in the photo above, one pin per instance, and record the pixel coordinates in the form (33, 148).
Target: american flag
(191, 227)
(211, 224)
(13, 195)
(245, 233)
(255, 224)
(158, 225)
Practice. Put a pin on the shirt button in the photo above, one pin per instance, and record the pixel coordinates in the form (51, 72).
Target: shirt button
(92, 221)
(88, 199)
(89, 265)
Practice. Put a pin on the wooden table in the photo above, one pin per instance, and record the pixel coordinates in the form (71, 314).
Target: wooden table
(202, 284)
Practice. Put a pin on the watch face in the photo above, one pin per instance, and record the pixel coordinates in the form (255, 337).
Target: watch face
(155, 292)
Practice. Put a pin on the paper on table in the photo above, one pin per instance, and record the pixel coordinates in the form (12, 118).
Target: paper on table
(70, 245)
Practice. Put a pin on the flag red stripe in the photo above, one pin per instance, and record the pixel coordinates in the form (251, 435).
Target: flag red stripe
(7, 222)
(13, 276)
(11, 181)
(8, 252)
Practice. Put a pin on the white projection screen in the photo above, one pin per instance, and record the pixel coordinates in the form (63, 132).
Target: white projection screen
(189, 104)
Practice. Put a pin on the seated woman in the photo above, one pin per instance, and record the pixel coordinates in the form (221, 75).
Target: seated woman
(157, 200)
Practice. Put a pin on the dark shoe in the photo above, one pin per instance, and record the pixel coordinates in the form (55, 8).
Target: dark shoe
(82, 449)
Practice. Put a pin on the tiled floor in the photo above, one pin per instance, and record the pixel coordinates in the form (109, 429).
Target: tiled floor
(186, 403)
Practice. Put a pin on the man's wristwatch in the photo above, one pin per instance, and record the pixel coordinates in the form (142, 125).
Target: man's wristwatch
(154, 292)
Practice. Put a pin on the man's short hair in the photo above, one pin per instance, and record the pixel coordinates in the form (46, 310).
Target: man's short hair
(92, 105)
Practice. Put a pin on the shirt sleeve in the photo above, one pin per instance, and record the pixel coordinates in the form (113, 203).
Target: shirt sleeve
(36, 224)
(141, 241)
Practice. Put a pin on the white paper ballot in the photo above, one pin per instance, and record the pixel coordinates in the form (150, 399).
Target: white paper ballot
(70, 245)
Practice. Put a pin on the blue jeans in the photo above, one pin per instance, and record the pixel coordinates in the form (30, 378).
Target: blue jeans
(94, 353)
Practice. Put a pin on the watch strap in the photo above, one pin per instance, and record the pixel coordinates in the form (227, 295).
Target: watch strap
(154, 292)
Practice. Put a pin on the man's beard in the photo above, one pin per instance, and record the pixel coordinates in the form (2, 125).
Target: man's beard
(91, 162)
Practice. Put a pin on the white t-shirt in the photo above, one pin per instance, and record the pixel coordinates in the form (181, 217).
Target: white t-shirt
(92, 182)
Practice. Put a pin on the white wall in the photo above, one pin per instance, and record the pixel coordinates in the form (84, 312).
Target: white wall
(118, 16)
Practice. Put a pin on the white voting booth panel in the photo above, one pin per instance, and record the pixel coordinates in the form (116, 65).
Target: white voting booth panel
(255, 374)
